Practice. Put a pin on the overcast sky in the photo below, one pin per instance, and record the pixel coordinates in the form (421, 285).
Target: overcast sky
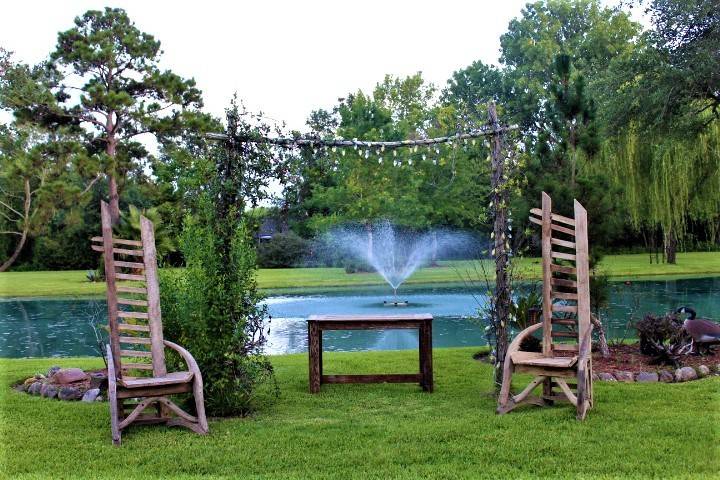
(286, 58)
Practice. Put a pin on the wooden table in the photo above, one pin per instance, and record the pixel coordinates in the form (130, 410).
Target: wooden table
(318, 323)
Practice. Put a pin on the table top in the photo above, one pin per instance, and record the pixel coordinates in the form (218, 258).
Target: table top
(370, 318)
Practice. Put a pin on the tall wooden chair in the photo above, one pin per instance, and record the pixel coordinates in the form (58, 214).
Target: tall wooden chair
(566, 327)
(136, 353)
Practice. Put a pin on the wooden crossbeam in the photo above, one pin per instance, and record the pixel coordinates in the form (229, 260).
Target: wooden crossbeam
(119, 241)
(131, 277)
(564, 295)
(563, 256)
(132, 301)
(142, 315)
(135, 340)
(127, 289)
(561, 282)
(119, 251)
(133, 328)
(135, 353)
(562, 243)
(564, 308)
(554, 216)
(136, 366)
(134, 265)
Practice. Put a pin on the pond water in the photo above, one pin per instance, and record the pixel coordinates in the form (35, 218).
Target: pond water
(47, 327)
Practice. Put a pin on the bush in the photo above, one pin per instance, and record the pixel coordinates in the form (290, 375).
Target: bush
(212, 308)
(282, 251)
(357, 266)
(664, 338)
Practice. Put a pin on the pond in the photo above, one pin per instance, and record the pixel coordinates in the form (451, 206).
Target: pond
(48, 327)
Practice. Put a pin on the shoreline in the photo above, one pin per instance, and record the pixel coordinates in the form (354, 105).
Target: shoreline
(303, 280)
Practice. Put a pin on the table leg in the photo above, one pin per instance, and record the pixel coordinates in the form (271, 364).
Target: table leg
(426, 367)
(315, 356)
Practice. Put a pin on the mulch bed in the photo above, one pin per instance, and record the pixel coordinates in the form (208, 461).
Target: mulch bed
(628, 358)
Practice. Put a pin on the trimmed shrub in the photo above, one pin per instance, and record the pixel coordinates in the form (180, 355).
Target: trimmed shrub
(282, 251)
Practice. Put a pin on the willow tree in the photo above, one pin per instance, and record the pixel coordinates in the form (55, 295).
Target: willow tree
(668, 181)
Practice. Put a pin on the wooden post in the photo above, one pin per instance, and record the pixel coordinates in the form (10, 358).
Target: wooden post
(314, 356)
(500, 205)
(147, 235)
(547, 274)
(107, 236)
(425, 344)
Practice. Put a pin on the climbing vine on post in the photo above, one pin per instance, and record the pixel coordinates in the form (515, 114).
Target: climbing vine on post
(499, 207)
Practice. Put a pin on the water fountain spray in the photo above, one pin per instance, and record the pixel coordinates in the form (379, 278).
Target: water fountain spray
(395, 255)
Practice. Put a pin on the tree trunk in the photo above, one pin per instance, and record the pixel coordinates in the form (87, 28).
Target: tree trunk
(670, 246)
(501, 301)
(26, 228)
(111, 150)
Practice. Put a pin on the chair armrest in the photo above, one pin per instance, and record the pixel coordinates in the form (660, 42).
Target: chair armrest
(189, 360)
(517, 341)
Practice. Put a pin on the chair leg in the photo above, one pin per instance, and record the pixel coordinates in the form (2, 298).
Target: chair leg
(504, 400)
(583, 400)
(200, 404)
(115, 407)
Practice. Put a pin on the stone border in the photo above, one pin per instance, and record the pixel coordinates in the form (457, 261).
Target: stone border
(68, 384)
(683, 374)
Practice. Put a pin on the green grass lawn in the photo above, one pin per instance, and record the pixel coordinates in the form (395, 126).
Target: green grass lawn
(375, 431)
(73, 282)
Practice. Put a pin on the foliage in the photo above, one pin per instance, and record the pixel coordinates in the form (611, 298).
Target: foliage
(212, 307)
(664, 338)
(282, 250)
(524, 311)
(129, 227)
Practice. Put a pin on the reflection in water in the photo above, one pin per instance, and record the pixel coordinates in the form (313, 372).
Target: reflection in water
(63, 327)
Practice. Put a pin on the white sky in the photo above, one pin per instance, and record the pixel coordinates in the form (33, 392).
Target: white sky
(282, 57)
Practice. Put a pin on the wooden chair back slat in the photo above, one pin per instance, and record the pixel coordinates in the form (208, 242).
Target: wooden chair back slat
(153, 298)
(568, 283)
(140, 323)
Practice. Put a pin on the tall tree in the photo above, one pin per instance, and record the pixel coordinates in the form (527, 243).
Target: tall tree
(105, 76)
(35, 182)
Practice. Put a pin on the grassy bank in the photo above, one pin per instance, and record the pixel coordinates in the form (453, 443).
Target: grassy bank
(376, 431)
(17, 284)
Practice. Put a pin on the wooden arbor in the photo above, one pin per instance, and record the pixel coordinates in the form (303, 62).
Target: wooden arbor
(136, 344)
(566, 327)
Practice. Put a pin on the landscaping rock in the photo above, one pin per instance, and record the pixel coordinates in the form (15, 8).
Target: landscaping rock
(30, 381)
(91, 395)
(595, 377)
(48, 390)
(666, 376)
(69, 393)
(624, 376)
(98, 380)
(65, 376)
(20, 388)
(99, 398)
(703, 370)
(52, 371)
(34, 389)
(606, 377)
(685, 374)
(647, 377)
